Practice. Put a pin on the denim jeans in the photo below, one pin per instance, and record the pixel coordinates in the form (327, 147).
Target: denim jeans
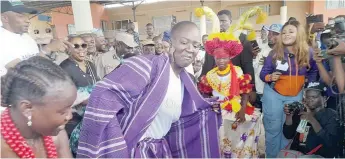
(274, 118)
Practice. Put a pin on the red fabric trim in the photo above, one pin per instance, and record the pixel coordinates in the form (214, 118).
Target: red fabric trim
(250, 110)
(234, 87)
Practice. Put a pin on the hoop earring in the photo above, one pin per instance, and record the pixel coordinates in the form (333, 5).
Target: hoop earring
(29, 120)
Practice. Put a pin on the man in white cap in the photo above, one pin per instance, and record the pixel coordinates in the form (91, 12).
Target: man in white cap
(264, 36)
(15, 43)
(273, 33)
(107, 62)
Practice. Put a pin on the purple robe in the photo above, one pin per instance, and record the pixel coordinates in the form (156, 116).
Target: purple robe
(123, 105)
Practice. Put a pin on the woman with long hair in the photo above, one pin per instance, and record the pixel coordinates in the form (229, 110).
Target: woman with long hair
(287, 68)
(38, 95)
(84, 76)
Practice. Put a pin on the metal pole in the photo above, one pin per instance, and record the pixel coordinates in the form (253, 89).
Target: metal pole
(283, 13)
(134, 8)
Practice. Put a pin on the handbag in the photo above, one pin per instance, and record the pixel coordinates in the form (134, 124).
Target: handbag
(286, 153)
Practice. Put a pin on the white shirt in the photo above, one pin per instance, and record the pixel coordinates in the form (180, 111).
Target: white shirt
(169, 111)
(15, 46)
(265, 50)
(190, 69)
(201, 57)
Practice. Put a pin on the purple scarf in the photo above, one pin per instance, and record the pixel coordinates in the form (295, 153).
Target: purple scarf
(123, 105)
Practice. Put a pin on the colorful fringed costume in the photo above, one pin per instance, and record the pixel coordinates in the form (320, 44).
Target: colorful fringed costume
(230, 83)
(238, 140)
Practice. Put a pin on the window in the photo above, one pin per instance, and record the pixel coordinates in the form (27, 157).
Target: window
(104, 25)
(335, 4)
(71, 29)
(265, 8)
(120, 25)
(162, 23)
(196, 20)
(113, 25)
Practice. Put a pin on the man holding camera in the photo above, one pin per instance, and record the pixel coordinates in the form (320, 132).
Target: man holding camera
(331, 61)
(339, 64)
(321, 135)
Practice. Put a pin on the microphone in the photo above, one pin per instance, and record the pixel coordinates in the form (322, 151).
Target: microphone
(272, 85)
(278, 69)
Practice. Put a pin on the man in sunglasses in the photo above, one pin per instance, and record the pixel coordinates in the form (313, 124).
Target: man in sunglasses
(124, 46)
(15, 43)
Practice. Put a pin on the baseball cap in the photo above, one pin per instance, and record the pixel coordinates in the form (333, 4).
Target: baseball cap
(264, 28)
(275, 28)
(126, 38)
(16, 6)
(147, 42)
(317, 86)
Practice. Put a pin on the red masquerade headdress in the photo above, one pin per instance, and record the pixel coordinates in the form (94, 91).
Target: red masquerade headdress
(223, 48)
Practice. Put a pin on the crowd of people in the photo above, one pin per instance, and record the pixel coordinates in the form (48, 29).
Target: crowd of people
(176, 94)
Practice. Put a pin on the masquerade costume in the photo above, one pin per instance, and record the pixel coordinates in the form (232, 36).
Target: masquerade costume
(237, 140)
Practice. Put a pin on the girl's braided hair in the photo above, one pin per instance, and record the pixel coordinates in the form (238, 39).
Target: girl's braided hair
(30, 79)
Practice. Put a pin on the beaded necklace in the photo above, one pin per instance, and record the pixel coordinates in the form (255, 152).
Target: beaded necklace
(17, 142)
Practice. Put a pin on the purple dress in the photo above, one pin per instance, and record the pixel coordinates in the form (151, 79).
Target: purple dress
(123, 105)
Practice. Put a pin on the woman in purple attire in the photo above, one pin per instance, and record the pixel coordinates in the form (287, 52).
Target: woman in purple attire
(150, 108)
(285, 71)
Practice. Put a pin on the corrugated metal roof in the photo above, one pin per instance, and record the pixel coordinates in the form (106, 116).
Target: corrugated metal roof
(48, 5)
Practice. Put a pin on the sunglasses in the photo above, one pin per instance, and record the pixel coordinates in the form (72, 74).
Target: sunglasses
(77, 46)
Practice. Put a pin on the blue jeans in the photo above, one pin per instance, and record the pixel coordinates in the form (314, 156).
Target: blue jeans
(274, 118)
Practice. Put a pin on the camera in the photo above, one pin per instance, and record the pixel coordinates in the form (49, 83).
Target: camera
(335, 29)
(295, 107)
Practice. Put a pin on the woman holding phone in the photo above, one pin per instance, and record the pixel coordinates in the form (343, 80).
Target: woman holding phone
(289, 65)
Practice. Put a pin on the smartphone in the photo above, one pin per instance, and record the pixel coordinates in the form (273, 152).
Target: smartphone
(323, 54)
(254, 43)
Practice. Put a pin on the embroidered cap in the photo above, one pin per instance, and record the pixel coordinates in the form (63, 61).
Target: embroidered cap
(16, 6)
(275, 28)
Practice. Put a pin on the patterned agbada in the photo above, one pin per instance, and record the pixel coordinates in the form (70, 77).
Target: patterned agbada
(123, 105)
